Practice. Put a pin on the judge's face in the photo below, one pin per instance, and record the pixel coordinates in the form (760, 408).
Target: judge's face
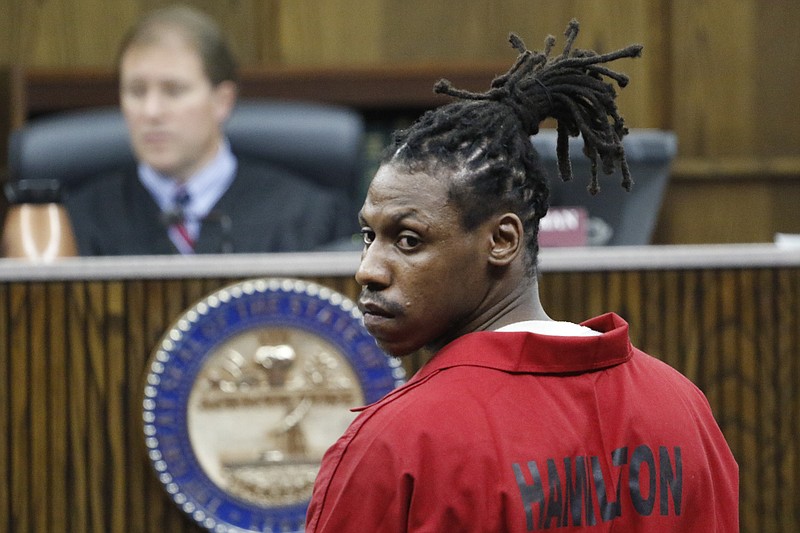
(174, 114)
(424, 278)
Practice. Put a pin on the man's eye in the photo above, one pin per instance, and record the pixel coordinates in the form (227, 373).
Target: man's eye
(368, 235)
(175, 89)
(136, 91)
(408, 242)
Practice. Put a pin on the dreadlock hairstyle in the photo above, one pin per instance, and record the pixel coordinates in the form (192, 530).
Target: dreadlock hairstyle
(483, 139)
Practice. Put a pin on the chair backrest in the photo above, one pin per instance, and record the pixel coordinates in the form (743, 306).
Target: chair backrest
(627, 218)
(319, 142)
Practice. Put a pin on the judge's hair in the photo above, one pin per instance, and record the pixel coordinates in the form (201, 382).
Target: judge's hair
(482, 140)
(199, 30)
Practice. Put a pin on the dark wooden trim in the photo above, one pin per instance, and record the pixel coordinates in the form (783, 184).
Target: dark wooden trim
(41, 90)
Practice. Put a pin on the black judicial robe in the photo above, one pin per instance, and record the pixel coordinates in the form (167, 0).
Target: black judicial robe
(266, 209)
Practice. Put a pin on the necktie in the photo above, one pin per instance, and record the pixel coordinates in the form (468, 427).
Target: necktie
(185, 241)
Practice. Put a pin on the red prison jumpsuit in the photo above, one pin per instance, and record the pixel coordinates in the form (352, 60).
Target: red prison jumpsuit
(516, 431)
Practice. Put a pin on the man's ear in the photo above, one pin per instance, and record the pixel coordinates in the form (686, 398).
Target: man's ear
(225, 94)
(508, 237)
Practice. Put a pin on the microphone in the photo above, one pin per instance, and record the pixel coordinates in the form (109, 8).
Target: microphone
(225, 226)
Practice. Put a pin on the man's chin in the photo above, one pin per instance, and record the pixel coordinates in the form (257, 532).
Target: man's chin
(388, 347)
(159, 160)
(174, 172)
(167, 168)
(396, 349)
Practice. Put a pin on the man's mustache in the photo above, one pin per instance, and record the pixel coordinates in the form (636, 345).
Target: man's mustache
(377, 299)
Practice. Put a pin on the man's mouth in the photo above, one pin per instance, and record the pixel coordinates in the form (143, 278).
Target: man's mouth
(155, 137)
(369, 307)
(377, 311)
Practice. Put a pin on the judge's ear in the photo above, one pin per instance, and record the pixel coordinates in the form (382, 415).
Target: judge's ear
(225, 94)
(507, 239)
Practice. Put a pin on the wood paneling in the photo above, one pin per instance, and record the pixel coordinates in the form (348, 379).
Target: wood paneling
(73, 356)
(775, 81)
(718, 73)
(336, 33)
(714, 55)
(730, 208)
(480, 31)
(715, 72)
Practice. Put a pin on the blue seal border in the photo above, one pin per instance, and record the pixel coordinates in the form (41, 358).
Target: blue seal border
(184, 348)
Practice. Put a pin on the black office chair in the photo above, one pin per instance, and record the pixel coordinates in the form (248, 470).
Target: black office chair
(321, 143)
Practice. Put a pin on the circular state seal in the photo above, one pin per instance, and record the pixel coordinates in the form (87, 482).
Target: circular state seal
(245, 393)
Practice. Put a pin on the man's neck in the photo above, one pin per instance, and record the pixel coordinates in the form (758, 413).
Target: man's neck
(522, 303)
(510, 301)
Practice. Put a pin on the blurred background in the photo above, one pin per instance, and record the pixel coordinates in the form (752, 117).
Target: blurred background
(721, 75)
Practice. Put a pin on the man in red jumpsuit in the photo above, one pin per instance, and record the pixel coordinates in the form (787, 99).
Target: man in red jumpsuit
(517, 422)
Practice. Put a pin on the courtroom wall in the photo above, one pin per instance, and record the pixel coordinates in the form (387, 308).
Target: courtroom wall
(719, 73)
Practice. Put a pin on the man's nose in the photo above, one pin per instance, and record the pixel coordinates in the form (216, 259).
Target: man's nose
(373, 271)
(153, 103)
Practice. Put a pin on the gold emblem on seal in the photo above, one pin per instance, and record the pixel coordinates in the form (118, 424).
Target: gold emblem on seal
(276, 399)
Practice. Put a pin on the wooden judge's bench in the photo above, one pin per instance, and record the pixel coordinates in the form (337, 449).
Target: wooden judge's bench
(76, 337)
